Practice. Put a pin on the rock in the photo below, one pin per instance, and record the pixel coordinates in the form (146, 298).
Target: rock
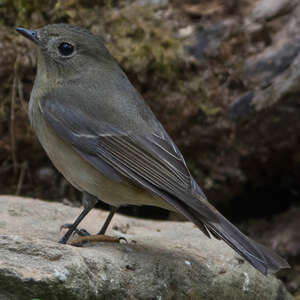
(204, 9)
(45, 174)
(268, 9)
(282, 43)
(208, 40)
(286, 84)
(162, 260)
(153, 2)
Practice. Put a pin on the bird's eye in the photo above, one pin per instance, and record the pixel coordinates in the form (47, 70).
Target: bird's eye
(65, 49)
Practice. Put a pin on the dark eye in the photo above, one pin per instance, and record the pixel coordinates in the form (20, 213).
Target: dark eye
(65, 49)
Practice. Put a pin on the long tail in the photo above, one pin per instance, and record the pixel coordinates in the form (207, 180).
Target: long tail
(197, 209)
(210, 221)
(263, 259)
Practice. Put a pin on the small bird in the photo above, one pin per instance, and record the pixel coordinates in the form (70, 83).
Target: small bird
(105, 140)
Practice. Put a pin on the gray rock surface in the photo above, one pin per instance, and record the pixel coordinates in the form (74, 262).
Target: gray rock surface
(162, 260)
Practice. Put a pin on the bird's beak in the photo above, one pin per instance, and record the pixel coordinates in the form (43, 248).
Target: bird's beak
(29, 34)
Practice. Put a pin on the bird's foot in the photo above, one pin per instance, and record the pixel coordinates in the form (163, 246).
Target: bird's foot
(85, 237)
(80, 232)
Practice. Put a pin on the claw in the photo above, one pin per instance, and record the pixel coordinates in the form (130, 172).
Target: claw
(65, 226)
(80, 232)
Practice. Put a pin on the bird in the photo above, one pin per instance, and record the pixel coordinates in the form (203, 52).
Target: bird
(104, 139)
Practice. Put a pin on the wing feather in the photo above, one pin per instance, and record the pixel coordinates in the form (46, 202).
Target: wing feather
(152, 157)
(148, 158)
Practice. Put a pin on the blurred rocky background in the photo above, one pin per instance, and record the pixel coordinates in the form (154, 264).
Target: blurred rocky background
(222, 76)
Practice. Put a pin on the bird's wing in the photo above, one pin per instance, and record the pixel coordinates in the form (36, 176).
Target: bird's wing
(151, 160)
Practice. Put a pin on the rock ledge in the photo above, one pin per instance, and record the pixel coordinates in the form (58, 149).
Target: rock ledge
(163, 260)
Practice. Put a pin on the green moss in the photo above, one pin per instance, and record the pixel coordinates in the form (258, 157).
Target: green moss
(209, 109)
(23, 7)
(21, 12)
(197, 88)
(142, 43)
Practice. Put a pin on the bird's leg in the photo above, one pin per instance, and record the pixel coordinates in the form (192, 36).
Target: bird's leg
(100, 237)
(83, 232)
(113, 210)
(88, 202)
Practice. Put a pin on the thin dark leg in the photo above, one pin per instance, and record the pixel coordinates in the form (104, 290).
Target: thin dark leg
(65, 238)
(89, 202)
(113, 210)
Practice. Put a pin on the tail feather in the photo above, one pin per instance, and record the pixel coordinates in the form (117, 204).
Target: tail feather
(262, 258)
(210, 221)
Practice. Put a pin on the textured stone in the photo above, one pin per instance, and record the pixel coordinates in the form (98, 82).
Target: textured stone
(162, 260)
